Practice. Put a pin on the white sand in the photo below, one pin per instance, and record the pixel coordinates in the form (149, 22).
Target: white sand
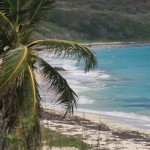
(114, 44)
(99, 137)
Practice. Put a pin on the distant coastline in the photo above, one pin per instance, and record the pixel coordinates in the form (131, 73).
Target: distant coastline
(114, 44)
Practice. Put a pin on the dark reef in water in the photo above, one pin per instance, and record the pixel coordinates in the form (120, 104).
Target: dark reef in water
(59, 69)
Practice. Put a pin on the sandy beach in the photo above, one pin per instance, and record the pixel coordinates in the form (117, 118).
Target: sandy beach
(114, 44)
(98, 132)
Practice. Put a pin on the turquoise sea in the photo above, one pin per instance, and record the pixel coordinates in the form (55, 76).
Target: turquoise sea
(119, 88)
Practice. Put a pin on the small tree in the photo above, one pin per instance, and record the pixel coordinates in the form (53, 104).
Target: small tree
(20, 102)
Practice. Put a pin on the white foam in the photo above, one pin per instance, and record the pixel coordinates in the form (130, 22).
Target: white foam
(117, 114)
(67, 64)
(105, 76)
(84, 100)
(122, 117)
(78, 80)
(81, 81)
(146, 125)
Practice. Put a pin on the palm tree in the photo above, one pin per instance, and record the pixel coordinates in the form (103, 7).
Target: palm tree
(20, 101)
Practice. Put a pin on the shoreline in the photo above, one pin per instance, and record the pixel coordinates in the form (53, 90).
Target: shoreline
(110, 122)
(124, 118)
(114, 44)
(110, 132)
(137, 121)
(96, 117)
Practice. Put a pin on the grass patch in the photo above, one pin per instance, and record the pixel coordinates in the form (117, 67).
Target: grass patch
(52, 138)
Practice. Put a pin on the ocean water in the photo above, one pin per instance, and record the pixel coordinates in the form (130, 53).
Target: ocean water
(119, 88)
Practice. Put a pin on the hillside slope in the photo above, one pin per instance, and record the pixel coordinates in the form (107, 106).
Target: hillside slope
(99, 20)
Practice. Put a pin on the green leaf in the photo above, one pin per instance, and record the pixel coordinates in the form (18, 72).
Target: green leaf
(29, 120)
(39, 10)
(34, 93)
(11, 137)
(65, 49)
(28, 94)
(5, 23)
(15, 10)
(64, 94)
(14, 64)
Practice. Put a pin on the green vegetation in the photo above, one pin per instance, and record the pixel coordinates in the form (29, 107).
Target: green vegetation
(53, 138)
(99, 20)
(20, 101)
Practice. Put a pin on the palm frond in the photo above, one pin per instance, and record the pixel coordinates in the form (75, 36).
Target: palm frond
(39, 10)
(22, 16)
(4, 7)
(7, 38)
(29, 109)
(15, 10)
(7, 32)
(28, 94)
(2, 43)
(25, 35)
(65, 49)
(13, 66)
(64, 94)
(21, 109)
(5, 23)
(34, 91)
